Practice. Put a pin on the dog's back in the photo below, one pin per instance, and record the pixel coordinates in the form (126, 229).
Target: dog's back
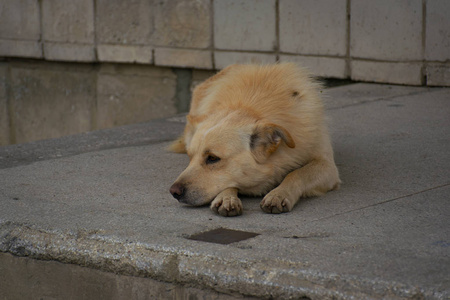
(267, 123)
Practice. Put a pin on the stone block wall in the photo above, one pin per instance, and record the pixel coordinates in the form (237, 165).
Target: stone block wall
(42, 100)
(114, 55)
(392, 41)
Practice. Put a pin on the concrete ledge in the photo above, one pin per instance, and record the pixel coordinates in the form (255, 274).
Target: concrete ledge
(69, 52)
(101, 200)
(438, 74)
(201, 59)
(319, 66)
(124, 53)
(267, 277)
(20, 48)
(224, 58)
(394, 72)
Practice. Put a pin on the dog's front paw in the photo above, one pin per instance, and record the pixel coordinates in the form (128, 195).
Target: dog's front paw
(227, 205)
(275, 203)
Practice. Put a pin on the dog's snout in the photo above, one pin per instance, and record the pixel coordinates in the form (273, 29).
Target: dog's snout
(177, 190)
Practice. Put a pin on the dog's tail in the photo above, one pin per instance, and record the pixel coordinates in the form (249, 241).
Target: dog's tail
(178, 145)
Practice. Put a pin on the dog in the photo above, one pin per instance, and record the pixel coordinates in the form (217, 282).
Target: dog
(255, 130)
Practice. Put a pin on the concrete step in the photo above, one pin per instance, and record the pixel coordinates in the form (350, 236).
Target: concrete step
(101, 200)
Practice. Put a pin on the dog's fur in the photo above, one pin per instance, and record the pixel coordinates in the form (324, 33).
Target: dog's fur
(255, 129)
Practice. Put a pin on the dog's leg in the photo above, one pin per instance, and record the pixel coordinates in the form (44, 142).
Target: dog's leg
(227, 203)
(315, 178)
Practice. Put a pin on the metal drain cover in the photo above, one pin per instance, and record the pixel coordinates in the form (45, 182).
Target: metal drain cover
(223, 236)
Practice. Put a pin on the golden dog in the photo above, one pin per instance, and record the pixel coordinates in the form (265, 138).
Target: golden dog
(255, 130)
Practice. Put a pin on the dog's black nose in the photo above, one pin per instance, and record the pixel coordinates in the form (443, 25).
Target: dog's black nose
(177, 190)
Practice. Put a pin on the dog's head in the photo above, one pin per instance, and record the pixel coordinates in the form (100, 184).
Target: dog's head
(228, 151)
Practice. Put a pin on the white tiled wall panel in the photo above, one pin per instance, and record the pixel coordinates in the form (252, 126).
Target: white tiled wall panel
(386, 29)
(245, 25)
(391, 41)
(438, 30)
(313, 27)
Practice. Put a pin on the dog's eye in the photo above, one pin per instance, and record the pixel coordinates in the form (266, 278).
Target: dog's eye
(212, 159)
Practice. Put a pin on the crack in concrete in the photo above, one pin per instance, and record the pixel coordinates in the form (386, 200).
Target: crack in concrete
(383, 202)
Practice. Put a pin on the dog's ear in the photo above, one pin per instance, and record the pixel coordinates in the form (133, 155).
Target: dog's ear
(203, 89)
(181, 144)
(266, 139)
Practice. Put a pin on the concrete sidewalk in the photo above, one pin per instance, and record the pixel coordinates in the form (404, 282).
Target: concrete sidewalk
(101, 200)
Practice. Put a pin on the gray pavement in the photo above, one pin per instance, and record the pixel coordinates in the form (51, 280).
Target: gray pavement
(101, 200)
